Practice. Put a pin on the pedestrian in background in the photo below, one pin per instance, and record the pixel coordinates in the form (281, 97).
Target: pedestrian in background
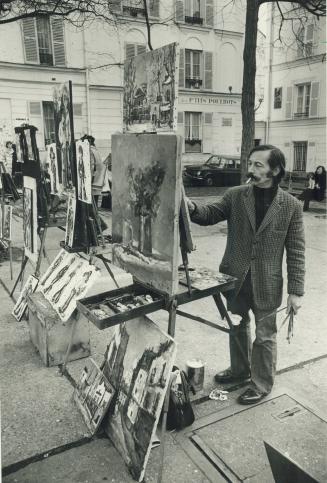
(320, 183)
(263, 220)
(307, 193)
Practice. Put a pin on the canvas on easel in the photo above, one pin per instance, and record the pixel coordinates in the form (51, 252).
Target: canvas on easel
(53, 169)
(64, 134)
(70, 220)
(6, 222)
(146, 204)
(30, 218)
(84, 180)
(150, 90)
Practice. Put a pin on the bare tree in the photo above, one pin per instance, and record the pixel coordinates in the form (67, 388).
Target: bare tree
(74, 11)
(302, 7)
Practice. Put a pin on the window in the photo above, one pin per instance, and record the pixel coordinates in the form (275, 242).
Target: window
(131, 50)
(227, 122)
(277, 98)
(48, 121)
(135, 8)
(193, 69)
(193, 12)
(300, 156)
(303, 101)
(44, 41)
(305, 41)
(193, 141)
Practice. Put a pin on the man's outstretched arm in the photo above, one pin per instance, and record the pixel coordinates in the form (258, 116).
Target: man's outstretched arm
(211, 213)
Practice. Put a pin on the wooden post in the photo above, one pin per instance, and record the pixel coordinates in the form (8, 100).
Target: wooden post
(172, 317)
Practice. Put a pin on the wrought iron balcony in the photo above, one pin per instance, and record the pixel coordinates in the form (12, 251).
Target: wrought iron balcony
(301, 115)
(194, 20)
(193, 82)
(133, 11)
(46, 58)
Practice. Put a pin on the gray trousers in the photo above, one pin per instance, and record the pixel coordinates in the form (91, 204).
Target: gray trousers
(262, 355)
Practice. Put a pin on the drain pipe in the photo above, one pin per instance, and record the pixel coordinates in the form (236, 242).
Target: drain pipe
(270, 59)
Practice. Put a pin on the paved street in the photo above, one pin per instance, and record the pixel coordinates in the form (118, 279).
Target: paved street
(44, 437)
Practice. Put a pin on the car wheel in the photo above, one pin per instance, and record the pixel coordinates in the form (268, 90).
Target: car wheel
(209, 181)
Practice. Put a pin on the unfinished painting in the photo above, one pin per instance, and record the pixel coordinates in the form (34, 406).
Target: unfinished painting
(138, 364)
(29, 146)
(5, 221)
(63, 114)
(53, 168)
(150, 89)
(70, 220)
(67, 279)
(21, 304)
(93, 395)
(30, 218)
(146, 203)
(84, 180)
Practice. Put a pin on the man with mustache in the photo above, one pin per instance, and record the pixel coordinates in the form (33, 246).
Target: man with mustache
(263, 221)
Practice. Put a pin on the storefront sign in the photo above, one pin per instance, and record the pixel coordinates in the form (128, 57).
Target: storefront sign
(207, 100)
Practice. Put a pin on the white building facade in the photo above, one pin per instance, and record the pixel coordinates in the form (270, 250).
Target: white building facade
(293, 114)
(37, 54)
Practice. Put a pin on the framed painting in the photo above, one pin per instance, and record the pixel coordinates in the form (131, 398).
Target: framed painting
(21, 304)
(53, 168)
(70, 220)
(30, 218)
(6, 222)
(150, 90)
(146, 203)
(138, 364)
(64, 134)
(84, 179)
(93, 395)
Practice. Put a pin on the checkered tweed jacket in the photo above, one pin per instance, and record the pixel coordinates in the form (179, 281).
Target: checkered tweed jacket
(261, 250)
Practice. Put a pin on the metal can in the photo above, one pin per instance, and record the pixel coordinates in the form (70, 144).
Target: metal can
(195, 373)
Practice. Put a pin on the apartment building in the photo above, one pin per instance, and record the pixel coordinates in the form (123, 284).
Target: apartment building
(293, 114)
(36, 54)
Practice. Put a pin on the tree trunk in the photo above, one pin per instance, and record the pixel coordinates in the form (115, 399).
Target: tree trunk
(248, 88)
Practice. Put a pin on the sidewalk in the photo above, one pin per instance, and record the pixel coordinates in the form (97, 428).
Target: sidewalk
(39, 416)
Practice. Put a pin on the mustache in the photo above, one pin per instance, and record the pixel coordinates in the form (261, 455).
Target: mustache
(251, 176)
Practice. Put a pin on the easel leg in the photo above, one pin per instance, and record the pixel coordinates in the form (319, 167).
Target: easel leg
(224, 314)
(172, 318)
(20, 275)
(39, 258)
(97, 220)
(10, 260)
(63, 367)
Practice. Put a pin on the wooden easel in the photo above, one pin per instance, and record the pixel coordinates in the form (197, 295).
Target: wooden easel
(3, 204)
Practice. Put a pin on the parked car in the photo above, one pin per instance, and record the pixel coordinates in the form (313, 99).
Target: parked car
(218, 170)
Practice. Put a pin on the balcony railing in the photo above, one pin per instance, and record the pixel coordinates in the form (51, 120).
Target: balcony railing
(193, 82)
(194, 20)
(301, 115)
(46, 58)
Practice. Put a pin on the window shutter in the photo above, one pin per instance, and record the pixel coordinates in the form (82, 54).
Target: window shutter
(309, 33)
(154, 8)
(180, 15)
(130, 51)
(207, 132)
(78, 110)
(187, 8)
(314, 99)
(209, 13)
(289, 103)
(58, 41)
(30, 40)
(207, 70)
(140, 49)
(35, 119)
(300, 42)
(181, 68)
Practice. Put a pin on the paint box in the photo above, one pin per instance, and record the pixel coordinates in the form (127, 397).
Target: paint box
(51, 336)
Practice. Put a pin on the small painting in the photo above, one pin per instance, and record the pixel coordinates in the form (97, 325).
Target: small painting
(150, 90)
(30, 217)
(21, 304)
(138, 364)
(70, 220)
(53, 168)
(93, 395)
(84, 179)
(146, 206)
(6, 222)
(63, 114)
(67, 279)
(29, 145)
(19, 153)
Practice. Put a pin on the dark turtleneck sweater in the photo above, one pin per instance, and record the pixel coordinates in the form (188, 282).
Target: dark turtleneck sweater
(263, 198)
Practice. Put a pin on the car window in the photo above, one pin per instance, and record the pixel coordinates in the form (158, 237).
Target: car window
(213, 160)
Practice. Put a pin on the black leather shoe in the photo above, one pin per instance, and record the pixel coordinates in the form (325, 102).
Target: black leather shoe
(226, 377)
(251, 396)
